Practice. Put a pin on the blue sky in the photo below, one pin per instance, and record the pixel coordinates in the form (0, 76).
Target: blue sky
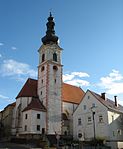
(90, 32)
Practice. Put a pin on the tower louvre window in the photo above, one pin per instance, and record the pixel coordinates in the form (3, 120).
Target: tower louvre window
(43, 57)
(55, 57)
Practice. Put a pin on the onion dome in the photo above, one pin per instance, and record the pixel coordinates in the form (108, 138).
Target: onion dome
(50, 36)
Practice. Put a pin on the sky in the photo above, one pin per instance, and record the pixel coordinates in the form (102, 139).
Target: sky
(90, 33)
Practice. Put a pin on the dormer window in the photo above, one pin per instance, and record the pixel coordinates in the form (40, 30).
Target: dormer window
(43, 57)
(55, 57)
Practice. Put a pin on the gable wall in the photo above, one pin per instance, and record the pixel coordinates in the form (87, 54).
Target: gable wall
(87, 128)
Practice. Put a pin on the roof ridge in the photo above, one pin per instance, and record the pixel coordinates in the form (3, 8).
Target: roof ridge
(71, 85)
(110, 104)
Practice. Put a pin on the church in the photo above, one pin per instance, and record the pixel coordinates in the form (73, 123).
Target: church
(46, 105)
(51, 107)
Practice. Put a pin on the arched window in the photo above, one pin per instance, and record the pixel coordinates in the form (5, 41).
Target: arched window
(43, 57)
(55, 57)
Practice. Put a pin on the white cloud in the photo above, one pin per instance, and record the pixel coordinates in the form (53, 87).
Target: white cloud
(67, 77)
(76, 78)
(78, 82)
(113, 83)
(17, 70)
(13, 48)
(1, 44)
(3, 97)
(80, 74)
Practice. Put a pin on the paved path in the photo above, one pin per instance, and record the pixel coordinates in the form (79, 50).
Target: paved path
(6, 145)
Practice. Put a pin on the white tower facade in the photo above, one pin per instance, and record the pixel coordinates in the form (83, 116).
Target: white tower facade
(50, 78)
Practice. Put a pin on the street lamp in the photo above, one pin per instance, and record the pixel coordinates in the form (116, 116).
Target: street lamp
(93, 117)
(93, 113)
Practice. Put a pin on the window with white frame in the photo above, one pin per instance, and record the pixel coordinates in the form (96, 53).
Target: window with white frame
(89, 119)
(100, 118)
(93, 105)
(79, 121)
(84, 106)
(119, 132)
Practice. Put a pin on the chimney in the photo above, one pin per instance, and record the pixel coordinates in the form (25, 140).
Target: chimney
(103, 96)
(115, 101)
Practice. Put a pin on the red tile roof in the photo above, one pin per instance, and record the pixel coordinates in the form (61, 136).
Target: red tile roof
(29, 89)
(36, 105)
(70, 93)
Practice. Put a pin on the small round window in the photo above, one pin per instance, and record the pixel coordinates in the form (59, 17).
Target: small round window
(55, 68)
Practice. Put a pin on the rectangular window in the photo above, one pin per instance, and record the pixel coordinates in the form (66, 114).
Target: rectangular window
(119, 132)
(43, 130)
(84, 107)
(38, 116)
(113, 133)
(89, 119)
(25, 116)
(79, 121)
(38, 127)
(25, 128)
(100, 119)
(93, 105)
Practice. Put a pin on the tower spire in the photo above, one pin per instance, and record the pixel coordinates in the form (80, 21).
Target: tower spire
(50, 36)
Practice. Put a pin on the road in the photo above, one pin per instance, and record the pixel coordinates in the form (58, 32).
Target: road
(7, 145)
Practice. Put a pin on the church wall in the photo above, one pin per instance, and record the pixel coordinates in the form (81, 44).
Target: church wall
(21, 103)
(69, 109)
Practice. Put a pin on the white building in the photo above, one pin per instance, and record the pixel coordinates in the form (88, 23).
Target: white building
(97, 117)
(46, 105)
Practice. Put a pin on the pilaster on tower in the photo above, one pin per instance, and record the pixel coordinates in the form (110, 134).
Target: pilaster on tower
(50, 78)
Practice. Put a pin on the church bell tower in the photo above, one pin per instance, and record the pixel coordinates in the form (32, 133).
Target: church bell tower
(50, 78)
